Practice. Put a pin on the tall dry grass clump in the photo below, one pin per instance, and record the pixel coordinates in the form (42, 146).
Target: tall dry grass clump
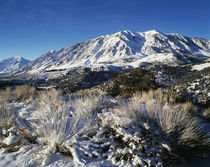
(5, 97)
(24, 93)
(188, 107)
(91, 92)
(8, 96)
(6, 111)
(59, 122)
(175, 121)
(206, 113)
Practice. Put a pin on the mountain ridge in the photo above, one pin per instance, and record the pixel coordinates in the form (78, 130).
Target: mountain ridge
(125, 48)
(11, 65)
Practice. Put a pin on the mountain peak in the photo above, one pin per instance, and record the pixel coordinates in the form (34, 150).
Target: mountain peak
(51, 51)
(153, 33)
(123, 32)
(18, 57)
(126, 31)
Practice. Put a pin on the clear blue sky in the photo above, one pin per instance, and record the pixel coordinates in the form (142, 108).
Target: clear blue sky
(32, 27)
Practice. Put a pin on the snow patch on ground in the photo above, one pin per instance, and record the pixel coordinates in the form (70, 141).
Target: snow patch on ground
(11, 139)
(201, 66)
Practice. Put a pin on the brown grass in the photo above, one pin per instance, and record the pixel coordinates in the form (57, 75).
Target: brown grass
(24, 92)
(5, 110)
(175, 121)
(206, 113)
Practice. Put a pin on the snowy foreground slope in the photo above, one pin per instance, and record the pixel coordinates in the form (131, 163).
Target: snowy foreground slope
(124, 48)
(12, 65)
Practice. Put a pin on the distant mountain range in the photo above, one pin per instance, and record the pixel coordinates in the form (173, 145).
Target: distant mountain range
(12, 65)
(122, 49)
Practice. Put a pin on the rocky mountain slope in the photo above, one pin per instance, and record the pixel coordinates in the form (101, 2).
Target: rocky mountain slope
(124, 48)
(12, 65)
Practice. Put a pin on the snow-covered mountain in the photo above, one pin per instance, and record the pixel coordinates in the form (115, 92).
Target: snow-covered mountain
(12, 65)
(125, 48)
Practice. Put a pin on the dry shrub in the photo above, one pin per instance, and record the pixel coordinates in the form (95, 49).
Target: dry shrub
(20, 93)
(6, 94)
(206, 113)
(91, 92)
(174, 121)
(60, 121)
(180, 126)
(188, 107)
(161, 98)
(158, 95)
(6, 111)
(51, 96)
(24, 92)
(5, 97)
(171, 94)
(5, 116)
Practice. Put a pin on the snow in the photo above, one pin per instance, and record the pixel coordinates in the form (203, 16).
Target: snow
(18, 159)
(10, 139)
(26, 157)
(201, 66)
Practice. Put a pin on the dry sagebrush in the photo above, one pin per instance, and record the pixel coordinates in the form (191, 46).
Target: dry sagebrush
(59, 122)
(7, 98)
(6, 111)
(150, 129)
(24, 93)
(206, 113)
(175, 121)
